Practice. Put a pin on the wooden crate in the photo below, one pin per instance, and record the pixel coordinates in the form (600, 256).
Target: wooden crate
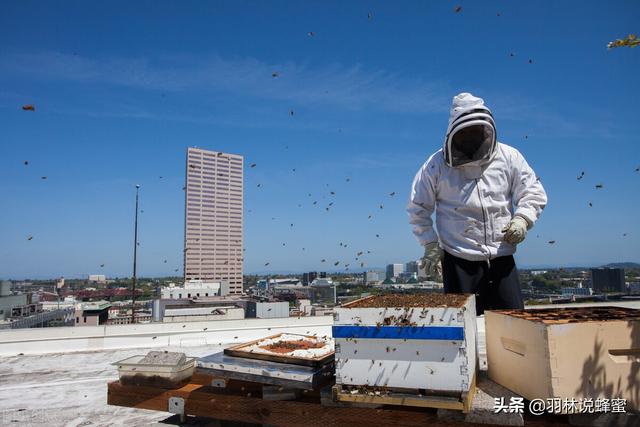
(414, 398)
(566, 353)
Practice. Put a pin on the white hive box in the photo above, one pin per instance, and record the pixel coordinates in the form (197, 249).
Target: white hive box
(566, 353)
(425, 341)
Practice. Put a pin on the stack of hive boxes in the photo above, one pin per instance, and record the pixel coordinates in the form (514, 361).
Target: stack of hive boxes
(419, 342)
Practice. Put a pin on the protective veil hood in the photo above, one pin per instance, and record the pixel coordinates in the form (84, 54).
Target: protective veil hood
(471, 134)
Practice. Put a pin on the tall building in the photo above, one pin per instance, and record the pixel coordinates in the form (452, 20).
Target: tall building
(98, 278)
(394, 270)
(607, 280)
(411, 267)
(213, 218)
(309, 277)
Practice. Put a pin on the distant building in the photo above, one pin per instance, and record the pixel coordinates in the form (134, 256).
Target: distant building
(607, 280)
(159, 308)
(268, 287)
(322, 275)
(309, 277)
(537, 272)
(192, 289)
(411, 267)
(213, 218)
(126, 319)
(98, 278)
(201, 312)
(394, 270)
(8, 301)
(323, 291)
(322, 282)
(577, 291)
(371, 277)
(406, 275)
(322, 311)
(285, 282)
(92, 313)
(267, 310)
(305, 307)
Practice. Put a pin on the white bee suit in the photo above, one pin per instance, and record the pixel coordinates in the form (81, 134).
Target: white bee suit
(473, 201)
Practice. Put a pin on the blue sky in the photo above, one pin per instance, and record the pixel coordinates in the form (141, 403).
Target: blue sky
(122, 88)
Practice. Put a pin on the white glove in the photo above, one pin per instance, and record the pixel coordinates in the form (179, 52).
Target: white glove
(516, 230)
(431, 260)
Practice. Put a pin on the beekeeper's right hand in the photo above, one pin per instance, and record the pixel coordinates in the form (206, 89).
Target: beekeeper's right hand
(431, 260)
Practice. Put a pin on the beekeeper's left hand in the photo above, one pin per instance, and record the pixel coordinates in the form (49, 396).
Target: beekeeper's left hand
(516, 230)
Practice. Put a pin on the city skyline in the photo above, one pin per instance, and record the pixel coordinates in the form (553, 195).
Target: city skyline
(347, 115)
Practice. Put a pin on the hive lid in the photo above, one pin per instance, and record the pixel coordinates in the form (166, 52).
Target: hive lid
(308, 350)
(165, 358)
(415, 300)
(574, 314)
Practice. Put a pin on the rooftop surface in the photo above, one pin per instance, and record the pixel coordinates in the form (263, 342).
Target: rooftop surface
(71, 388)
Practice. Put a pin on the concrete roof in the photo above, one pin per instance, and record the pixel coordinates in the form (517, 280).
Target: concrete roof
(71, 388)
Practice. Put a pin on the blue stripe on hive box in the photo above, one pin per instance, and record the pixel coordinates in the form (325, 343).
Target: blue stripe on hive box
(401, 332)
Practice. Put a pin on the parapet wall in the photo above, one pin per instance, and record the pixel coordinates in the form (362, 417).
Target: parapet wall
(182, 334)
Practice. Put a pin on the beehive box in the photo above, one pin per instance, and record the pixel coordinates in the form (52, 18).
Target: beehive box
(425, 341)
(566, 352)
(170, 370)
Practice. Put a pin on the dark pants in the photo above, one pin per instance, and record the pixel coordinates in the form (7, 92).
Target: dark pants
(496, 285)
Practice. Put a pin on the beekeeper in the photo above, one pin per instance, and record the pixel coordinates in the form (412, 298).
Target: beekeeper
(486, 197)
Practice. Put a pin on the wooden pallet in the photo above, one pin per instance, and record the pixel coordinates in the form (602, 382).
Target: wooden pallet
(225, 404)
(246, 402)
(398, 398)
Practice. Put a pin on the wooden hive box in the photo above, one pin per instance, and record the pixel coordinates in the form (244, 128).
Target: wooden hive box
(421, 342)
(582, 352)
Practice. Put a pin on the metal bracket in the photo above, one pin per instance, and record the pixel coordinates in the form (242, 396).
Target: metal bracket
(176, 405)
(219, 383)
